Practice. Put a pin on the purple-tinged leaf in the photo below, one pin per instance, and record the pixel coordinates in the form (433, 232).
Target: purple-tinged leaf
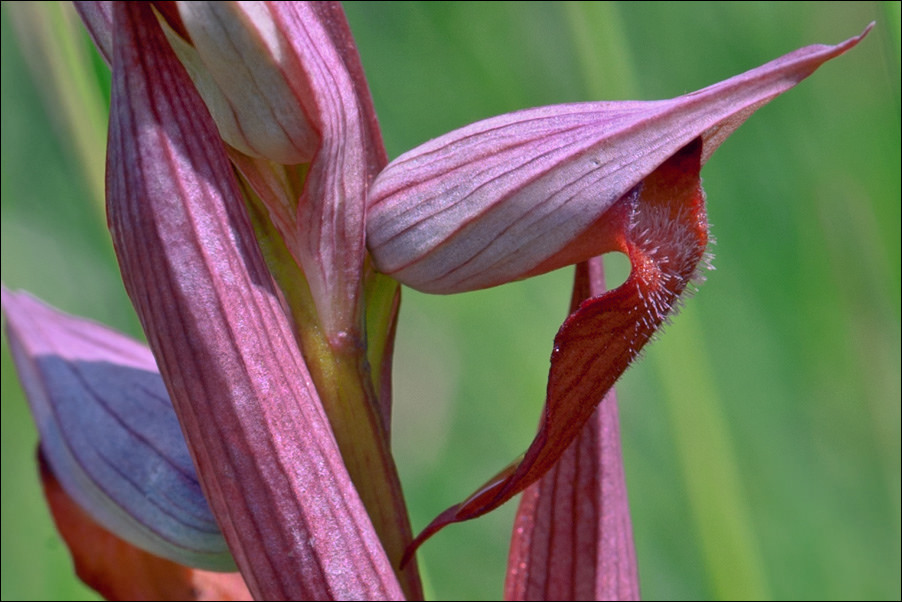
(109, 433)
(262, 444)
(284, 84)
(98, 19)
(528, 192)
(573, 536)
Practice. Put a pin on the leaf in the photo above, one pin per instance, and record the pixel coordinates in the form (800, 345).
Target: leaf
(109, 433)
(265, 452)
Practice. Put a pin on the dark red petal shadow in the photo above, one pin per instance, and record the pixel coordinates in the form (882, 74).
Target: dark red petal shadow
(573, 537)
(117, 570)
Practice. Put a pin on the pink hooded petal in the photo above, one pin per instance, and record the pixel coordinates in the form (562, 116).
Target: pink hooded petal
(265, 454)
(525, 193)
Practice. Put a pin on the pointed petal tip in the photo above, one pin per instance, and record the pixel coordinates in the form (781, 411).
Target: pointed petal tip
(9, 298)
(5, 296)
(866, 31)
(98, 20)
(854, 40)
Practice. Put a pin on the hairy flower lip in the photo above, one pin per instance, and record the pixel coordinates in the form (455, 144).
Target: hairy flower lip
(519, 194)
(664, 232)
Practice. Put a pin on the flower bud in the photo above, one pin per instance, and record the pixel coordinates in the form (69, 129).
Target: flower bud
(237, 57)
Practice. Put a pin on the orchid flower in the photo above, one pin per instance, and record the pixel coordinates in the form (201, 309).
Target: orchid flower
(262, 236)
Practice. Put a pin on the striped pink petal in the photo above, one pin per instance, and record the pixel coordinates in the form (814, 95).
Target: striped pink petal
(573, 538)
(265, 454)
(532, 191)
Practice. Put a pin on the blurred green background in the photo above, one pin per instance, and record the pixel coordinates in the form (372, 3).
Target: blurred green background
(761, 432)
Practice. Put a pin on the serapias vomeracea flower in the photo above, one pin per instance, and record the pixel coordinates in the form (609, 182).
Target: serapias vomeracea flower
(525, 193)
(242, 155)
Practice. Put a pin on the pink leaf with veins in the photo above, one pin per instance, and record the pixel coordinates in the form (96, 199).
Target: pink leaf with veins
(265, 453)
